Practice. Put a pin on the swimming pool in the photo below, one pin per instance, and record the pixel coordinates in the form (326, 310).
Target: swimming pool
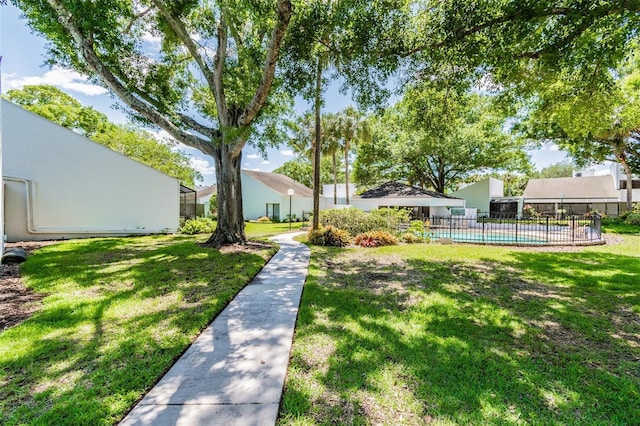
(486, 237)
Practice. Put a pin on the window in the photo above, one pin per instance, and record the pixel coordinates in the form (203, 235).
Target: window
(273, 211)
(635, 184)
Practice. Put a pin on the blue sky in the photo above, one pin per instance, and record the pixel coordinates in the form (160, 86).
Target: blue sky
(23, 63)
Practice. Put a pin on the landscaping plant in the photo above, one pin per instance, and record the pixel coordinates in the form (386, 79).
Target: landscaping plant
(329, 236)
(375, 239)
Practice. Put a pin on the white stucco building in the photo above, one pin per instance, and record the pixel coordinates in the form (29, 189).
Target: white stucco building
(267, 194)
(424, 204)
(59, 184)
(478, 195)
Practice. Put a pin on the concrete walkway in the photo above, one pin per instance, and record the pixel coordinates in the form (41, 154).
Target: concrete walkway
(234, 372)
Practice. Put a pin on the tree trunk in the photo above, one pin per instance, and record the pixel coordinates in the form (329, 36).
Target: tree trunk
(627, 172)
(346, 167)
(316, 149)
(230, 227)
(335, 178)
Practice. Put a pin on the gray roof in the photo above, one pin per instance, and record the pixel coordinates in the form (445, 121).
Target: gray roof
(400, 190)
(280, 183)
(209, 190)
(585, 187)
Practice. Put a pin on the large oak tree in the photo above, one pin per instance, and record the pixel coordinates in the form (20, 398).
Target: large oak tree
(202, 71)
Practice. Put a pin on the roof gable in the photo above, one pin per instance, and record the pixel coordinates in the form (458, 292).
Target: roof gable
(400, 190)
(280, 183)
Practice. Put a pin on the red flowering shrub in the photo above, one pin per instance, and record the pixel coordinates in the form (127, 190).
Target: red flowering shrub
(375, 239)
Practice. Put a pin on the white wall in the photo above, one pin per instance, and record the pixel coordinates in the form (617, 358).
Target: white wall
(70, 186)
(256, 196)
(1, 189)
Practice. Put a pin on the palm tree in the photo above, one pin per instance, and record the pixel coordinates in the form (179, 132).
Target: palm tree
(303, 136)
(352, 127)
(331, 145)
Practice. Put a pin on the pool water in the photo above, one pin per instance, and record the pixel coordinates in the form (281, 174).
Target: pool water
(478, 237)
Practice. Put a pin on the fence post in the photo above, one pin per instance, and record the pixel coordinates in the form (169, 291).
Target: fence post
(483, 221)
(547, 229)
(516, 229)
(573, 229)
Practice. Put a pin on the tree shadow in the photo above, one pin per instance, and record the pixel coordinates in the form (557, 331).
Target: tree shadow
(116, 316)
(537, 338)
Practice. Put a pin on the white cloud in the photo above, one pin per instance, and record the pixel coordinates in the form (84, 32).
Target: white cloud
(253, 156)
(265, 162)
(287, 153)
(550, 147)
(59, 77)
(202, 166)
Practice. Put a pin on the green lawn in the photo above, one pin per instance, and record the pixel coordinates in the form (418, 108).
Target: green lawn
(256, 230)
(461, 334)
(116, 314)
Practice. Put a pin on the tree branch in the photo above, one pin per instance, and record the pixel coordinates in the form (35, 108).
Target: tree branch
(92, 60)
(268, 74)
(179, 29)
(135, 18)
(517, 16)
(219, 62)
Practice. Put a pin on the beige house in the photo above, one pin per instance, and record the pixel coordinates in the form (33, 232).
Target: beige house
(59, 184)
(573, 195)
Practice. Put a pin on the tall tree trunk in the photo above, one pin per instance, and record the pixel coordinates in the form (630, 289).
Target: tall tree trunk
(346, 167)
(316, 149)
(628, 173)
(230, 226)
(335, 178)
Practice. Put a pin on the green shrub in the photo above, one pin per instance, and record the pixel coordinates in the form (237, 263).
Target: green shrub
(411, 238)
(356, 221)
(375, 239)
(633, 218)
(329, 236)
(199, 225)
(417, 227)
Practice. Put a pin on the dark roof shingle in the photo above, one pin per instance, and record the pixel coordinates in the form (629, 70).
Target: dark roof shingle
(400, 190)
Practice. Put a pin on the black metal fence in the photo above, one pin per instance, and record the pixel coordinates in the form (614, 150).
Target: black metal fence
(567, 230)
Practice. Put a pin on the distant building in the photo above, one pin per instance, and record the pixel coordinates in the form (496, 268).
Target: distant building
(478, 195)
(423, 203)
(267, 194)
(574, 195)
(340, 192)
(620, 179)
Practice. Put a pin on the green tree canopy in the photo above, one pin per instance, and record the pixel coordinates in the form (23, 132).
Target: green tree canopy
(437, 137)
(557, 170)
(593, 125)
(301, 171)
(206, 78)
(59, 107)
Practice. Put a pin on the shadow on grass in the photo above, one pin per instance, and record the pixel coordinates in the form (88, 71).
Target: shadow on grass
(537, 338)
(118, 312)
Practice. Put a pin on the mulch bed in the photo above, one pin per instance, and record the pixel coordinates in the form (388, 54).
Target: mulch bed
(17, 303)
